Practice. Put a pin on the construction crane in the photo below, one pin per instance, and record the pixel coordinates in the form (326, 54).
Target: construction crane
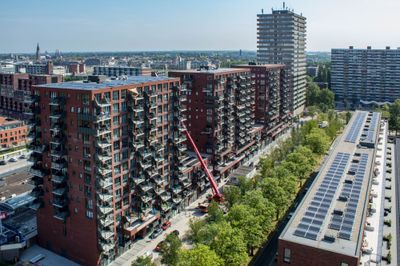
(217, 195)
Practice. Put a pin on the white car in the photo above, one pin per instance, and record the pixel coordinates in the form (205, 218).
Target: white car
(13, 160)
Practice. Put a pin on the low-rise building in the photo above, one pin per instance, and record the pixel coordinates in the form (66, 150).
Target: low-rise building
(328, 226)
(117, 71)
(13, 133)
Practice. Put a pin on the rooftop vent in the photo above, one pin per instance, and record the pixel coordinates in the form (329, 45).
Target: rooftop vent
(329, 238)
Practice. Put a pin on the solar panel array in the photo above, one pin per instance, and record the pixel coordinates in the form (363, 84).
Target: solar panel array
(310, 224)
(355, 128)
(351, 192)
(371, 131)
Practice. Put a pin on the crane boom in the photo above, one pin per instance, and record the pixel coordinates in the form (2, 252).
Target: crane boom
(217, 194)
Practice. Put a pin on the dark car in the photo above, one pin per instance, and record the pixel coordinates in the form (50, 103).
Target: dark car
(156, 233)
(175, 232)
(159, 246)
(166, 225)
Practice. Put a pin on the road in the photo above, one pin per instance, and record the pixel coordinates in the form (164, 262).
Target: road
(11, 168)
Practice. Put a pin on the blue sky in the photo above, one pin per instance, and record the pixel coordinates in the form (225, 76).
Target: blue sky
(137, 25)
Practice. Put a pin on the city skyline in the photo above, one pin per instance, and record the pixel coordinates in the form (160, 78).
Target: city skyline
(205, 25)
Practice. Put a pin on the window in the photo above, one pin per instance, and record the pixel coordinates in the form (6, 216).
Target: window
(115, 107)
(344, 264)
(286, 256)
(115, 95)
(123, 94)
(89, 214)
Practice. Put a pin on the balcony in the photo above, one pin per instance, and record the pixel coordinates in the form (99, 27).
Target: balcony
(105, 183)
(102, 103)
(138, 179)
(146, 187)
(37, 192)
(165, 197)
(58, 179)
(145, 198)
(106, 234)
(104, 171)
(37, 172)
(57, 101)
(165, 207)
(58, 166)
(136, 145)
(107, 221)
(104, 210)
(105, 197)
(176, 190)
(107, 248)
(102, 117)
(57, 153)
(38, 149)
(58, 203)
(56, 116)
(61, 215)
(104, 158)
(59, 191)
(103, 144)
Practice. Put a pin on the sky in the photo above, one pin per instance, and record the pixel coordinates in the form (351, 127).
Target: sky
(152, 25)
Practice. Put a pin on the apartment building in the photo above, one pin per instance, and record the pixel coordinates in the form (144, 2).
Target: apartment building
(329, 226)
(281, 39)
(117, 71)
(273, 103)
(16, 90)
(36, 68)
(13, 133)
(365, 76)
(220, 115)
(110, 165)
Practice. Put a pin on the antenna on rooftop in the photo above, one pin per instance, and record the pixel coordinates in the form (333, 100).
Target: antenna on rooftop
(284, 5)
(262, 11)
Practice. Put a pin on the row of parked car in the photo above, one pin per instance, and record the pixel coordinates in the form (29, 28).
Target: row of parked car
(12, 159)
(158, 231)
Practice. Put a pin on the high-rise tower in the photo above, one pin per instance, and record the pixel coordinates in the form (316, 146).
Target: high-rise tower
(282, 40)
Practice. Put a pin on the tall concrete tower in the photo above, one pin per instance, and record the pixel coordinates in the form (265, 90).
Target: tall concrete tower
(281, 39)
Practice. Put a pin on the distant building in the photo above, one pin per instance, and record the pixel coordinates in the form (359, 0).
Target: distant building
(365, 76)
(312, 71)
(37, 68)
(37, 52)
(13, 133)
(16, 90)
(281, 39)
(117, 71)
(329, 226)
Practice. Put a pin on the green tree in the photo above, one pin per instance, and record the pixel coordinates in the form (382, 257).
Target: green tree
(273, 192)
(317, 141)
(232, 195)
(245, 184)
(260, 207)
(196, 226)
(228, 243)
(200, 255)
(143, 261)
(241, 217)
(170, 249)
(215, 214)
(348, 117)
(394, 120)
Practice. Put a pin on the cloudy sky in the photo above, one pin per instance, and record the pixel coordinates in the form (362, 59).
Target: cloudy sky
(138, 25)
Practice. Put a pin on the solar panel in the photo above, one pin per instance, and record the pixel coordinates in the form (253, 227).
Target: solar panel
(355, 128)
(316, 213)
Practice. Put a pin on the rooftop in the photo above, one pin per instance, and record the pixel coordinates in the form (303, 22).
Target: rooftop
(332, 214)
(131, 80)
(209, 70)
(267, 66)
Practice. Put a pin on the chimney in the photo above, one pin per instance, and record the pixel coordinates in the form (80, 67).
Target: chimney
(368, 47)
(387, 47)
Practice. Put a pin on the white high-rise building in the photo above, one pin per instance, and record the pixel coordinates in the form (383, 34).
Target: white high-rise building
(282, 40)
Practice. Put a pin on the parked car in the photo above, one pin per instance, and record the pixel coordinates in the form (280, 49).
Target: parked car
(159, 246)
(13, 160)
(3, 162)
(22, 156)
(175, 232)
(166, 225)
(156, 233)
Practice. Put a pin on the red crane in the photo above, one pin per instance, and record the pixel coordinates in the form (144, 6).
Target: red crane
(217, 196)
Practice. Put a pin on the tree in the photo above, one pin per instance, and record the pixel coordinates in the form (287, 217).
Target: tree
(195, 228)
(245, 184)
(215, 214)
(170, 249)
(273, 192)
(241, 217)
(228, 243)
(394, 120)
(231, 195)
(200, 255)
(317, 141)
(260, 207)
(143, 261)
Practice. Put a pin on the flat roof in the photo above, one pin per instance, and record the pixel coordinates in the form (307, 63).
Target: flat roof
(261, 65)
(332, 214)
(209, 71)
(131, 80)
